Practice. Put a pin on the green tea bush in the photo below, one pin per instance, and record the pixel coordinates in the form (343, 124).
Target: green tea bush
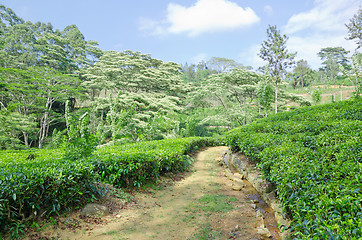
(313, 156)
(45, 182)
(133, 164)
(47, 185)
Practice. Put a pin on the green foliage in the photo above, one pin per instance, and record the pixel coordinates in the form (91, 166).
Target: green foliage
(79, 143)
(265, 92)
(133, 164)
(316, 95)
(313, 156)
(40, 182)
(302, 75)
(275, 52)
(355, 73)
(216, 203)
(355, 28)
(45, 182)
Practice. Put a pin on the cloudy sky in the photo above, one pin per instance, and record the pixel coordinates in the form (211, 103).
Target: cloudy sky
(194, 30)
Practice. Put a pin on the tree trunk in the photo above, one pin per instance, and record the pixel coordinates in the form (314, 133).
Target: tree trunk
(357, 88)
(42, 130)
(221, 101)
(26, 139)
(44, 122)
(276, 97)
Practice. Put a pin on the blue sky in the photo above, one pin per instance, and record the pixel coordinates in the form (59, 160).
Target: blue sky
(194, 30)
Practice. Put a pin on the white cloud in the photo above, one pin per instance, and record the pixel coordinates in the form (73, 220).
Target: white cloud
(327, 15)
(268, 10)
(308, 47)
(320, 27)
(204, 16)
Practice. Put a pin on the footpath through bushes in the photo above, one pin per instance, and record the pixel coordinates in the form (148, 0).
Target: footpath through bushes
(44, 182)
(313, 157)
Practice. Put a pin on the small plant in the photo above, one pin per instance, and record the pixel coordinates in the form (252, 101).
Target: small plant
(79, 142)
(316, 95)
(16, 229)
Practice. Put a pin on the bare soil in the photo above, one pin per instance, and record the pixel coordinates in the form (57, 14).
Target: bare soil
(200, 204)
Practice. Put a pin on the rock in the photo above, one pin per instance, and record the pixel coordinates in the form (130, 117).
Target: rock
(280, 220)
(238, 175)
(235, 179)
(259, 214)
(264, 232)
(229, 175)
(237, 186)
(93, 209)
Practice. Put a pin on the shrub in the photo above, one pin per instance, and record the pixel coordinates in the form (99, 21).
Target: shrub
(49, 181)
(313, 156)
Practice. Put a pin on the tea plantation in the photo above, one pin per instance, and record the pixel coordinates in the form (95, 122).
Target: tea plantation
(313, 157)
(46, 182)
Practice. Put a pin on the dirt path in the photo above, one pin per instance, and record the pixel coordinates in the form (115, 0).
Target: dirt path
(200, 206)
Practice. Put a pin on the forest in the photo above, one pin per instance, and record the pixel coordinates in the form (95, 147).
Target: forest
(130, 96)
(62, 99)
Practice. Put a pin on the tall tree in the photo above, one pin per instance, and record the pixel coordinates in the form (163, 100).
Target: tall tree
(146, 87)
(301, 75)
(53, 86)
(132, 72)
(355, 33)
(20, 98)
(275, 52)
(242, 86)
(333, 58)
(265, 93)
(223, 64)
(355, 28)
(354, 73)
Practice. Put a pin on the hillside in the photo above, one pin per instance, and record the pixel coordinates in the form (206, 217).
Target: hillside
(313, 157)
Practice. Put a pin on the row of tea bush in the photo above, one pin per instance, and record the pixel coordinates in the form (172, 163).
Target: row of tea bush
(313, 157)
(44, 182)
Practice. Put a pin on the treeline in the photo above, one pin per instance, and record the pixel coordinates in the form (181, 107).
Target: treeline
(127, 96)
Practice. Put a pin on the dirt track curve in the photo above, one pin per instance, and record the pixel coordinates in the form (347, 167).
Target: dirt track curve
(202, 205)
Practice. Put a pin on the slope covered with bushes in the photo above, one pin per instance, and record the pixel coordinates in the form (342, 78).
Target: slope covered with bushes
(313, 157)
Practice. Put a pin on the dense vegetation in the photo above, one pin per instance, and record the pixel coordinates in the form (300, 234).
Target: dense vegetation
(133, 97)
(62, 94)
(45, 182)
(313, 157)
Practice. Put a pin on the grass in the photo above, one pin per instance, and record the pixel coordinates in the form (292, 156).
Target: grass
(112, 232)
(216, 203)
(207, 232)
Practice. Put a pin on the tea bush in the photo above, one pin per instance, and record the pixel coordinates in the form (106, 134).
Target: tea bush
(313, 156)
(48, 181)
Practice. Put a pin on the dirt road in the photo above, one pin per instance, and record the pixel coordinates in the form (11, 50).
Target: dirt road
(200, 206)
